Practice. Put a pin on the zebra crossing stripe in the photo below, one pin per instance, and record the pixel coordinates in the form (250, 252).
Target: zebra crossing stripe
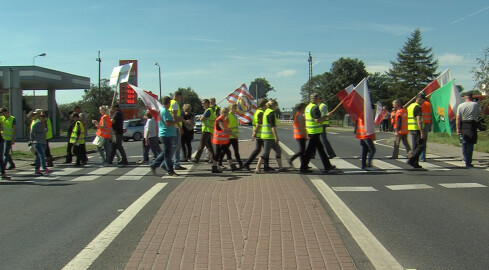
(408, 187)
(346, 166)
(95, 174)
(135, 174)
(388, 167)
(346, 189)
(462, 185)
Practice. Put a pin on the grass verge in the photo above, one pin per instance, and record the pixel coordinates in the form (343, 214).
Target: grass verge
(55, 151)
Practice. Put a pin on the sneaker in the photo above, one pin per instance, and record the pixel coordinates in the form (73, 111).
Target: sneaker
(11, 167)
(179, 168)
(46, 172)
(305, 171)
(38, 172)
(282, 169)
(290, 163)
(329, 169)
(259, 172)
(153, 171)
(5, 177)
(194, 160)
(247, 167)
(174, 174)
(269, 169)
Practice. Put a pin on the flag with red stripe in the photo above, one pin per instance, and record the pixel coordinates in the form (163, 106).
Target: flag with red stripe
(245, 102)
(150, 101)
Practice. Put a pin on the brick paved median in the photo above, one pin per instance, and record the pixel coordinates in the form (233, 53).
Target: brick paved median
(269, 221)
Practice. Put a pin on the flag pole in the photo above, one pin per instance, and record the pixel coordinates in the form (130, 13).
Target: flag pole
(337, 106)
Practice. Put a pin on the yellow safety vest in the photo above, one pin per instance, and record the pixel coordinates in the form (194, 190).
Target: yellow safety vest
(266, 129)
(208, 123)
(255, 122)
(233, 125)
(412, 121)
(178, 111)
(81, 138)
(49, 133)
(311, 126)
(8, 127)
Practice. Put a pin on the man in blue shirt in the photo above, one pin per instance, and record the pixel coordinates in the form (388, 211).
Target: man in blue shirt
(167, 133)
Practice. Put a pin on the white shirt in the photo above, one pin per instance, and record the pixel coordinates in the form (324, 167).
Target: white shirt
(151, 127)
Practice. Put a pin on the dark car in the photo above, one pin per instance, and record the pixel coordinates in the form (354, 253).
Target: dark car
(198, 124)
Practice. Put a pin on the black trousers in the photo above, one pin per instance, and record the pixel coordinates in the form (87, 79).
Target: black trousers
(117, 145)
(301, 152)
(235, 144)
(315, 145)
(418, 145)
(205, 141)
(254, 154)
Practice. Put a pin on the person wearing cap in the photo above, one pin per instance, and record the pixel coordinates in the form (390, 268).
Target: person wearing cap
(467, 114)
(426, 111)
(416, 129)
(314, 128)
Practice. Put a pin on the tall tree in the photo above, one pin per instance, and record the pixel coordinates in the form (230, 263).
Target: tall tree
(189, 96)
(260, 87)
(378, 86)
(414, 69)
(93, 99)
(481, 72)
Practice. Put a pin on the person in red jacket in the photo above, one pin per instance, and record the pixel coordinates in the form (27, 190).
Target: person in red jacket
(300, 133)
(367, 143)
(400, 130)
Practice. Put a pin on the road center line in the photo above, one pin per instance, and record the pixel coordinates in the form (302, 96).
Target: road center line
(91, 252)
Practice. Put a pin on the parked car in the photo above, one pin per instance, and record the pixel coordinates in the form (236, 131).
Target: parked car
(198, 124)
(133, 129)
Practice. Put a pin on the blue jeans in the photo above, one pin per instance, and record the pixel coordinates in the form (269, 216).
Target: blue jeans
(426, 129)
(368, 151)
(40, 156)
(105, 150)
(153, 145)
(164, 159)
(6, 154)
(177, 146)
(467, 151)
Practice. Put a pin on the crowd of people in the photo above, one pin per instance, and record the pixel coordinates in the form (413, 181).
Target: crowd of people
(220, 132)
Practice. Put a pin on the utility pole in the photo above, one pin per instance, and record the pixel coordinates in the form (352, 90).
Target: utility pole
(310, 75)
(99, 61)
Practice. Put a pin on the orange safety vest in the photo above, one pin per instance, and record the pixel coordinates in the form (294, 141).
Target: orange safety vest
(104, 132)
(298, 133)
(361, 132)
(404, 126)
(219, 136)
(393, 114)
(426, 110)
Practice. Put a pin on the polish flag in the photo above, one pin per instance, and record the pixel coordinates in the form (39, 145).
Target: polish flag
(343, 93)
(444, 78)
(150, 101)
(368, 112)
(353, 102)
(379, 114)
(246, 104)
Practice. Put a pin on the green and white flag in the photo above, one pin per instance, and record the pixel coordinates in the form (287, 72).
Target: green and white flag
(440, 102)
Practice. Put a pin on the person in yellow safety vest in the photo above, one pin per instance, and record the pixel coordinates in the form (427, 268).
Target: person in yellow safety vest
(8, 133)
(176, 112)
(300, 133)
(207, 130)
(77, 138)
(366, 141)
(38, 140)
(256, 135)
(426, 110)
(220, 138)
(314, 128)
(270, 138)
(329, 149)
(400, 126)
(415, 127)
(233, 123)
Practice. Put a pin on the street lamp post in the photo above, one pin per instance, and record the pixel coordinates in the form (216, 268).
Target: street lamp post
(99, 61)
(159, 70)
(34, 91)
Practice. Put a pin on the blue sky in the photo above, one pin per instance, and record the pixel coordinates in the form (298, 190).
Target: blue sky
(215, 46)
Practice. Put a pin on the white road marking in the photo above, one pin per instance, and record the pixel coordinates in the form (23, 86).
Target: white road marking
(346, 189)
(375, 251)
(95, 174)
(408, 187)
(135, 174)
(91, 252)
(386, 166)
(462, 185)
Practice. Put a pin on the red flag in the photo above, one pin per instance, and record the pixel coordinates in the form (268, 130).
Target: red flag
(246, 104)
(343, 93)
(150, 101)
(380, 113)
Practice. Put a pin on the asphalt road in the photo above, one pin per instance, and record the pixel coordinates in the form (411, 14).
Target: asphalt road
(45, 223)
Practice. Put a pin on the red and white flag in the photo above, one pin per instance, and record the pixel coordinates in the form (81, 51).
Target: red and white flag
(444, 78)
(150, 101)
(343, 93)
(358, 105)
(353, 104)
(246, 104)
(379, 114)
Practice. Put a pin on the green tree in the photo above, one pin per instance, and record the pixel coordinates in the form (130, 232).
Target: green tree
(481, 72)
(93, 99)
(260, 86)
(378, 87)
(414, 68)
(189, 96)
(343, 72)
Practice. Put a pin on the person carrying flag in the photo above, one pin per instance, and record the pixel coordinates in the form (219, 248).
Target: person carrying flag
(367, 143)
